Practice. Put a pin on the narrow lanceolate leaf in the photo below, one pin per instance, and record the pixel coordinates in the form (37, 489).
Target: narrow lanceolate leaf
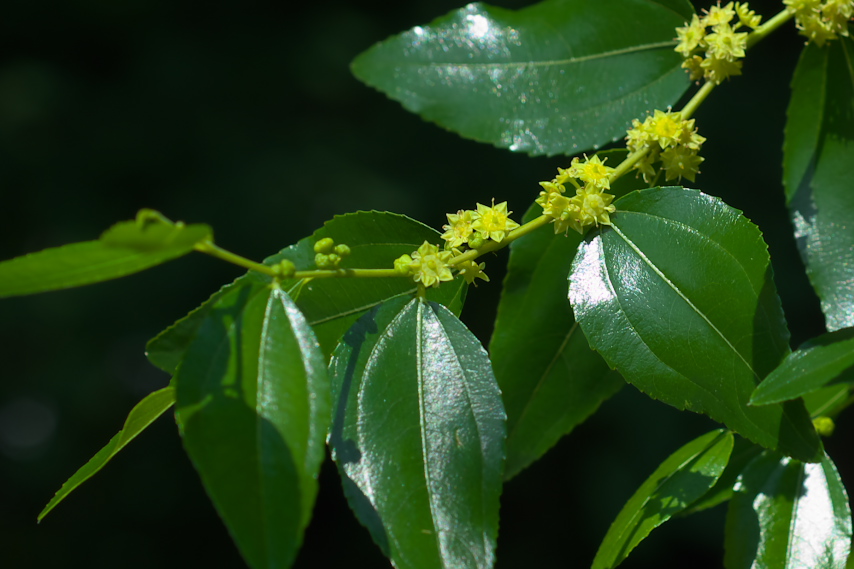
(253, 408)
(550, 379)
(828, 358)
(418, 435)
(788, 515)
(538, 80)
(331, 306)
(817, 158)
(743, 452)
(683, 477)
(677, 295)
(141, 416)
(124, 249)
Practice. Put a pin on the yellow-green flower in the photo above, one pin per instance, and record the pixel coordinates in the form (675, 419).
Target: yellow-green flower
(689, 137)
(403, 265)
(594, 207)
(820, 21)
(690, 36)
(694, 66)
(719, 15)
(552, 187)
(716, 70)
(665, 127)
(645, 165)
(637, 137)
(470, 270)
(714, 55)
(429, 265)
(493, 222)
(459, 228)
(589, 206)
(746, 16)
(563, 176)
(803, 6)
(592, 172)
(725, 43)
(557, 205)
(680, 162)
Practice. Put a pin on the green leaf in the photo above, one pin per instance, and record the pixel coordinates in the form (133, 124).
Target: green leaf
(375, 239)
(683, 477)
(331, 306)
(418, 435)
(253, 408)
(827, 401)
(817, 159)
(815, 364)
(550, 379)
(743, 452)
(124, 249)
(167, 349)
(677, 295)
(539, 80)
(788, 515)
(141, 416)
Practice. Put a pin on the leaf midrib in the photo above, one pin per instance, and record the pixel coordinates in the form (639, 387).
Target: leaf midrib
(546, 62)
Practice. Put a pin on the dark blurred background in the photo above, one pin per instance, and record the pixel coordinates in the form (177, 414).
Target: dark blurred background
(244, 115)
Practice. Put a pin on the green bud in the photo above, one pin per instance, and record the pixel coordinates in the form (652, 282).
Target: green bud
(324, 245)
(402, 264)
(824, 426)
(476, 242)
(342, 250)
(321, 260)
(286, 268)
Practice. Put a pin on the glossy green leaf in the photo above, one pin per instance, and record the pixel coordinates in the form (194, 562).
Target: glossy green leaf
(167, 349)
(141, 416)
(677, 295)
(253, 408)
(818, 154)
(788, 515)
(124, 249)
(827, 401)
(550, 379)
(418, 435)
(683, 477)
(538, 80)
(815, 364)
(331, 306)
(743, 452)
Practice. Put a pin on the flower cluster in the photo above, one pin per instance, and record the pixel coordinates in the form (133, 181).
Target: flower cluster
(466, 230)
(711, 46)
(591, 204)
(328, 255)
(671, 140)
(430, 266)
(821, 21)
(427, 265)
(472, 228)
